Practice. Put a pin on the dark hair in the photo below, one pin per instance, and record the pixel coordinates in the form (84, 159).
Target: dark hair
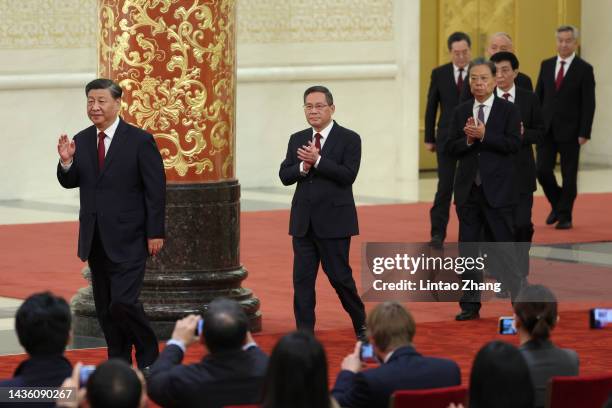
(500, 378)
(103, 83)
(114, 384)
(225, 325)
(456, 37)
(536, 308)
(297, 374)
(506, 56)
(320, 88)
(391, 326)
(481, 61)
(43, 324)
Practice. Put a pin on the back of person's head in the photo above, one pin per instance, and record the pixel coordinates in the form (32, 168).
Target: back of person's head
(225, 326)
(43, 324)
(297, 374)
(114, 384)
(390, 326)
(536, 310)
(500, 378)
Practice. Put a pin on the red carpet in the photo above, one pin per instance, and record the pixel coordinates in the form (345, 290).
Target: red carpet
(43, 257)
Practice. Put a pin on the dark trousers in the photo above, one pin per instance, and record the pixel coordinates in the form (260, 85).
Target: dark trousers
(561, 198)
(116, 289)
(333, 254)
(476, 216)
(523, 232)
(439, 212)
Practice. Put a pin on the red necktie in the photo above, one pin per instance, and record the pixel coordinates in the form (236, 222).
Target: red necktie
(318, 141)
(101, 152)
(460, 80)
(506, 96)
(560, 76)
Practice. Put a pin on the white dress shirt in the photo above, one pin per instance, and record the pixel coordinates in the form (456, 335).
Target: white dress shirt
(456, 73)
(324, 133)
(568, 62)
(109, 132)
(511, 91)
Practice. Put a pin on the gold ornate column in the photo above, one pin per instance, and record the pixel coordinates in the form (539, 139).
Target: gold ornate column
(176, 62)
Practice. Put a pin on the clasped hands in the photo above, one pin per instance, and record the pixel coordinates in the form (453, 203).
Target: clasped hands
(474, 130)
(309, 155)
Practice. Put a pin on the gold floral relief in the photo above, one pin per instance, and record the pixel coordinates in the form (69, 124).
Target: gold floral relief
(175, 60)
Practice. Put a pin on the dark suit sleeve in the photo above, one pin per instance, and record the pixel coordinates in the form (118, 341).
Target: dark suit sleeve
(588, 103)
(345, 172)
(159, 385)
(289, 172)
(433, 99)
(70, 178)
(510, 141)
(539, 91)
(154, 180)
(534, 130)
(457, 141)
(351, 390)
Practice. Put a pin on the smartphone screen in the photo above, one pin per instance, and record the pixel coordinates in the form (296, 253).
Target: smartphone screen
(506, 325)
(599, 318)
(367, 352)
(199, 327)
(84, 374)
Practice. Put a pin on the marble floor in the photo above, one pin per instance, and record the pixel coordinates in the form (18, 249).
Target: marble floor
(591, 179)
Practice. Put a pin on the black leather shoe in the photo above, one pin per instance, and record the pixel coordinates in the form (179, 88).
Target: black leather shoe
(361, 334)
(436, 242)
(552, 218)
(467, 315)
(562, 225)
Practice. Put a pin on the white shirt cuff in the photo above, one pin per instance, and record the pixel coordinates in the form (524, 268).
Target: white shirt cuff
(178, 343)
(316, 165)
(66, 167)
(302, 171)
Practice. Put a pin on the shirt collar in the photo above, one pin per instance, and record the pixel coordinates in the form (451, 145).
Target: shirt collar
(325, 131)
(511, 91)
(567, 60)
(488, 103)
(456, 69)
(110, 131)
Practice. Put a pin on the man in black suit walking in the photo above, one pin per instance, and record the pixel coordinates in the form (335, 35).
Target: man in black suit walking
(532, 129)
(323, 160)
(485, 136)
(447, 82)
(122, 183)
(566, 88)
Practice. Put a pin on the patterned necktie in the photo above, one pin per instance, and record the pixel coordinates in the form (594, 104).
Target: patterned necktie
(460, 81)
(560, 75)
(318, 141)
(506, 96)
(101, 151)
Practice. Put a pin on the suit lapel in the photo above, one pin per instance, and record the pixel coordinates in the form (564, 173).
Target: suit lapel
(332, 138)
(451, 78)
(91, 146)
(118, 139)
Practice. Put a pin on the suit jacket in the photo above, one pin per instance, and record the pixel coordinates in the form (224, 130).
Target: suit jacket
(405, 370)
(545, 361)
(126, 201)
(324, 197)
(220, 379)
(443, 92)
(568, 113)
(494, 156)
(531, 116)
(40, 371)
(521, 81)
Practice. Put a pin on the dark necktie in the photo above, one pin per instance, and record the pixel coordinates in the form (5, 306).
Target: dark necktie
(481, 118)
(460, 81)
(506, 96)
(101, 152)
(318, 141)
(560, 76)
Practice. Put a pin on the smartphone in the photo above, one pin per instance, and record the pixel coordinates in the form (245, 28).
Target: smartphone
(366, 354)
(84, 374)
(506, 325)
(199, 327)
(599, 318)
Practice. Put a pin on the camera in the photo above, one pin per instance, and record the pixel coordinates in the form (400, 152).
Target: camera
(84, 374)
(599, 318)
(366, 353)
(506, 325)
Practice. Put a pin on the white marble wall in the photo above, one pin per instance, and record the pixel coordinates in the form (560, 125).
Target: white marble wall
(365, 51)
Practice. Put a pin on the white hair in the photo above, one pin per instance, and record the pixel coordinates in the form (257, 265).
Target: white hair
(570, 28)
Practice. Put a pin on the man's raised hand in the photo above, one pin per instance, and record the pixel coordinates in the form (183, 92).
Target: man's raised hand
(65, 148)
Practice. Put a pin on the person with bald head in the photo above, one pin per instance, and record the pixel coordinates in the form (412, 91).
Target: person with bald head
(503, 42)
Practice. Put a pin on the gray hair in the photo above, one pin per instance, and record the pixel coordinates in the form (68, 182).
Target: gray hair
(501, 34)
(570, 28)
(482, 61)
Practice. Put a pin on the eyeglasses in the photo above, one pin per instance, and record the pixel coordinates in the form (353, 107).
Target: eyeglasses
(318, 106)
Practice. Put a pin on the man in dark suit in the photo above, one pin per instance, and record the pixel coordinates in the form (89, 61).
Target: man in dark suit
(566, 88)
(231, 374)
(532, 129)
(502, 42)
(324, 161)
(485, 136)
(42, 323)
(447, 82)
(391, 330)
(122, 183)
